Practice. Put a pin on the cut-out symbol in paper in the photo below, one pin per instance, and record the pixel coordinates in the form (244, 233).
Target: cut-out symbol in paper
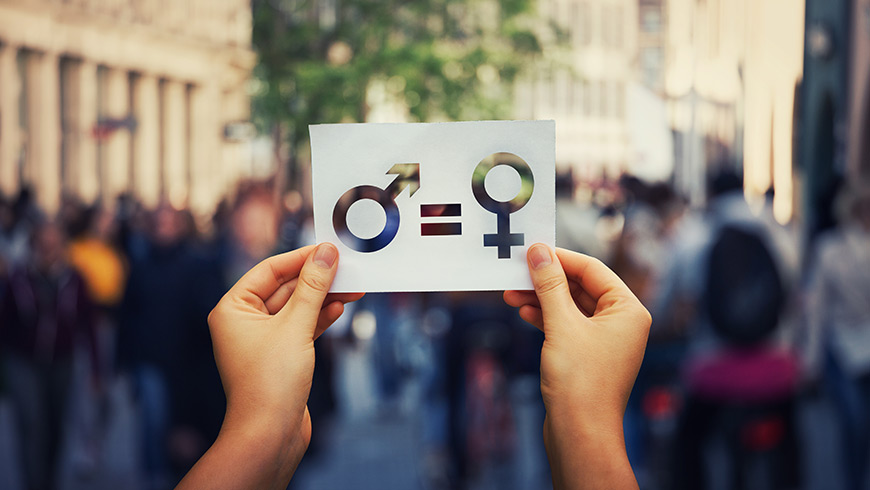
(503, 239)
(407, 175)
(441, 228)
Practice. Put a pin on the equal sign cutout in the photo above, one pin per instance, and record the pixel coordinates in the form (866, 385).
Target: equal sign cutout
(444, 227)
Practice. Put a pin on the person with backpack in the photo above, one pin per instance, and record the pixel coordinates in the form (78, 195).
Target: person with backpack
(740, 373)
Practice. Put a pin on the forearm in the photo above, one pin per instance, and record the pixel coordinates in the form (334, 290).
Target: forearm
(248, 454)
(585, 455)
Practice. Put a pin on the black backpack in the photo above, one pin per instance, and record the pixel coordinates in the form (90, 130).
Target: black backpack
(744, 292)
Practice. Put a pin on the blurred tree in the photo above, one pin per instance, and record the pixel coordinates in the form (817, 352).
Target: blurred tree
(441, 59)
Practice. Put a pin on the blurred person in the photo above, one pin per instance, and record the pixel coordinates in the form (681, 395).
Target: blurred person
(639, 257)
(264, 330)
(161, 329)
(14, 237)
(44, 313)
(740, 372)
(253, 233)
(575, 221)
(93, 254)
(389, 309)
(785, 237)
(480, 428)
(641, 248)
(132, 222)
(26, 209)
(292, 220)
(838, 317)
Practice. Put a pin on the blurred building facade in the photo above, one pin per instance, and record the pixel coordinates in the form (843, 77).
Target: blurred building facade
(651, 43)
(825, 109)
(834, 140)
(859, 118)
(583, 82)
(103, 97)
(733, 67)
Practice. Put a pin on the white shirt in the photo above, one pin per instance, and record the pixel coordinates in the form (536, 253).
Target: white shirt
(838, 301)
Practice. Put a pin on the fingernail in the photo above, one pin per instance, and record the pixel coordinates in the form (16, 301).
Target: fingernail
(539, 256)
(325, 255)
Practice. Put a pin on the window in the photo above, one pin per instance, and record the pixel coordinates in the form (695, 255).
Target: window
(586, 23)
(651, 66)
(569, 92)
(606, 27)
(578, 90)
(575, 26)
(651, 20)
(587, 98)
(618, 30)
(619, 96)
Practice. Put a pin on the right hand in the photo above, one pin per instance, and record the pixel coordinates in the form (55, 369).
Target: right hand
(263, 332)
(595, 333)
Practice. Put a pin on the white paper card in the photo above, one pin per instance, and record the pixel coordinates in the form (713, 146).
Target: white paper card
(436, 206)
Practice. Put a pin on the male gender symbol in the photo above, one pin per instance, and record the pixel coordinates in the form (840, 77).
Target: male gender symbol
(407, 175)
(503, 239)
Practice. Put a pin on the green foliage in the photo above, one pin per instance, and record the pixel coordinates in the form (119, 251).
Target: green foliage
(445, 59)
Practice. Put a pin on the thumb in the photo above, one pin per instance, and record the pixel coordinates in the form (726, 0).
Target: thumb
(551, 285)
(315, 278)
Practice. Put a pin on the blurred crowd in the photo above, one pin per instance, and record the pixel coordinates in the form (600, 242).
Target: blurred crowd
(749, 320)
(122, 293)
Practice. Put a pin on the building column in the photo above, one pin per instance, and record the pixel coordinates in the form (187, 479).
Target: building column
(116, 164)
(43, 131)
(10, 136)
(80, 94)
(146, 140)
(210, 175)
(175, 142)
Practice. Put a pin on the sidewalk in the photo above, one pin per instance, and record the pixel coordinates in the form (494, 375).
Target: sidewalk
(363, 455)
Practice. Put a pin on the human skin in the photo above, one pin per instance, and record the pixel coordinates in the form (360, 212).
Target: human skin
(263, 331)
(595, 334)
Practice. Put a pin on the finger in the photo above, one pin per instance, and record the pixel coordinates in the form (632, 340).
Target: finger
(328, 315)
(279, 298)
(313, 285)
(582, 299)
(344, 297)
(603, 286)
(551, 285)
(265, 278)
(282, 295)
(520, 298)
(533, 315)
(593, 276)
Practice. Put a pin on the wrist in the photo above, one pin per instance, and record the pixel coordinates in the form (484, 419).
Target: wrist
(584, 415)
(275, 437)
(577, 443)
(264, 454)
(585, 428)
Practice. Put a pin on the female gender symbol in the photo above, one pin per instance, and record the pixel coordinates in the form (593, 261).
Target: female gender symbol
(503, 239)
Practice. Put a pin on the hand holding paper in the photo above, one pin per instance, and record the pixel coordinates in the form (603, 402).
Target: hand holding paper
(263, 331)
(595, 333)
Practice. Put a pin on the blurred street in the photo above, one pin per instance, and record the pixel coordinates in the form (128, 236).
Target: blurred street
(370, 451)
(713, 154)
